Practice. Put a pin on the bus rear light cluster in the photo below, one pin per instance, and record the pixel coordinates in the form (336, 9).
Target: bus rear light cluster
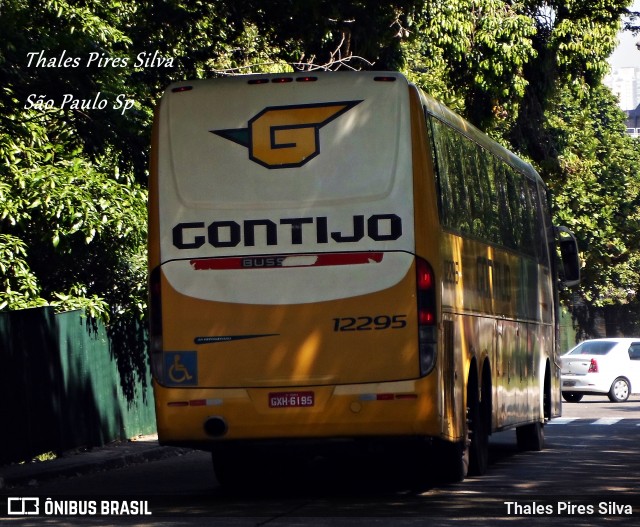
(426, 317)
(282, 80)
(195, 402)
(425, 284)
(427, 328)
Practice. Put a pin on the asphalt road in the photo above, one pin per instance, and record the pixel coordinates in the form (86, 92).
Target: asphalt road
(588, 474)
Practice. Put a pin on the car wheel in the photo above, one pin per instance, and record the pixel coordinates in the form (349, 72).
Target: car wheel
(572, 397)
(620, 390)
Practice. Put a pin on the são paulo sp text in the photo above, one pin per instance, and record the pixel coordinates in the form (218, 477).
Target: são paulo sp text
(71, 102)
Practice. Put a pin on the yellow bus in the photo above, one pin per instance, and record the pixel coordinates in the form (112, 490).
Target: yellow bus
(339, 258)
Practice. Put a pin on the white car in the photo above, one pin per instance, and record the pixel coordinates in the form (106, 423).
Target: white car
(602, 366)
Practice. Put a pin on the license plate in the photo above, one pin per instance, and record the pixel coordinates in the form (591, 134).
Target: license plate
(569, 383)
(291, 399)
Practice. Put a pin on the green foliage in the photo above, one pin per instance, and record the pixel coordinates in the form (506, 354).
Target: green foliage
(72, 216)
(597, 189)
(310, 33)
(18, 286)
(530, 74)
(470, 54)
(572, 41)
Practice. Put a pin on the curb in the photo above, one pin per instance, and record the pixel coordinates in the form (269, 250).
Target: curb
(107, 458)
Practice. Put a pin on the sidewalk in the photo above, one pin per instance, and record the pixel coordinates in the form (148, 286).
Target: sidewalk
(114, 455)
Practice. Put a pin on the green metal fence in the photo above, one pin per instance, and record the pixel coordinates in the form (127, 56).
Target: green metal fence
(567, 331)
(60, 386)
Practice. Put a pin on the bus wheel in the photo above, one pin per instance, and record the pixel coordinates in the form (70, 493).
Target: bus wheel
(226, 474)
(530, 437)
(478, 432)
(452, 461)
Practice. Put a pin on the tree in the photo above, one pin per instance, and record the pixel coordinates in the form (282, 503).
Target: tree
(530, 74)
(597, 191)
(72, 216)
(471, 54)
(573, 40)
(321, 31)
(571, 128)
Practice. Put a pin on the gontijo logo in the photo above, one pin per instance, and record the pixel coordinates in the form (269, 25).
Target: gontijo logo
(286, 136)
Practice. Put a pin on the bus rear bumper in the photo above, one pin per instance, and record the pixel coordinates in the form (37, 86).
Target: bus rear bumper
(203, 417)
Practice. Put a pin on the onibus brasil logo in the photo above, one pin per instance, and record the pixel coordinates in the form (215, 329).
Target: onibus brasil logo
(286, 136)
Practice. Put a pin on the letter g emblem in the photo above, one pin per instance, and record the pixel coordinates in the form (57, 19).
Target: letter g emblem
(286, 136)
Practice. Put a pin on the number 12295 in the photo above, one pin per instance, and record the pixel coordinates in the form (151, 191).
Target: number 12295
(376, 322)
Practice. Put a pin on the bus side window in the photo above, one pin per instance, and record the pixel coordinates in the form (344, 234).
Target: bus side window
(483, 196)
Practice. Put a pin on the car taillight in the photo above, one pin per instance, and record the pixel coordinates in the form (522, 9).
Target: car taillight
(427, 320)
(593, 367)
(155, 323)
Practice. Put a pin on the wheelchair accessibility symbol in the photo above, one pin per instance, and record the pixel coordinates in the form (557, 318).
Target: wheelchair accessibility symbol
(181, 368)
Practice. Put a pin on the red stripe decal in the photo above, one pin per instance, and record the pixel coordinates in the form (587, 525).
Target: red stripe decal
(280, 261)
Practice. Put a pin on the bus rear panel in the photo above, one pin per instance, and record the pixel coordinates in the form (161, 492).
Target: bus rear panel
(286, 297)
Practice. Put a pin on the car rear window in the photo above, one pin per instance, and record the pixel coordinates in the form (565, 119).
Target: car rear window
(593, 348)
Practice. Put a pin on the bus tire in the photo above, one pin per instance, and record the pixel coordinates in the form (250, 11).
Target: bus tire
(530, 437)
(477, 421)
(452, 461)
(227, 472)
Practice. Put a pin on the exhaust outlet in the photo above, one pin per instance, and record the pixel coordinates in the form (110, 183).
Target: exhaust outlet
(215, 426)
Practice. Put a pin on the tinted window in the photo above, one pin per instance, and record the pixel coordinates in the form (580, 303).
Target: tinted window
(634, 351)
(483, 196)
(594, 348)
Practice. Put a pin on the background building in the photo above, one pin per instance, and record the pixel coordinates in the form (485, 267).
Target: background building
(625, 83)
(633, 122)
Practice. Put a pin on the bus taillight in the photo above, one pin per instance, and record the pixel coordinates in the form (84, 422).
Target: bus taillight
(425, 283)
(155, 319)
(427, 328)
